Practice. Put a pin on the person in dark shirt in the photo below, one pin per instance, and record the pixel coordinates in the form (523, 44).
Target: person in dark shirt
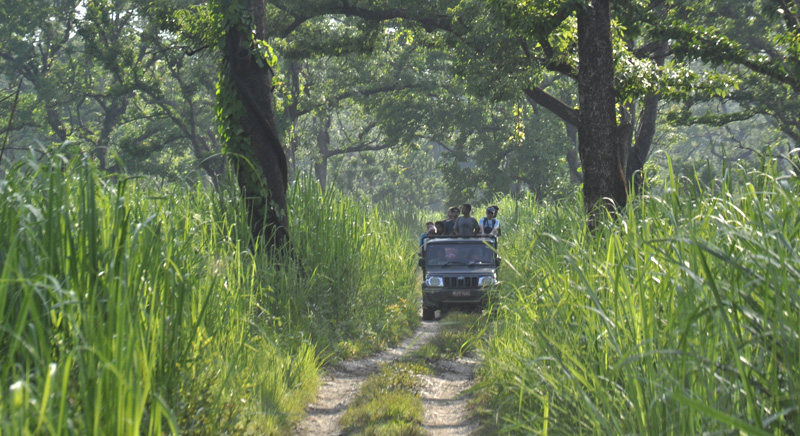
(439, 227)
(450, 222)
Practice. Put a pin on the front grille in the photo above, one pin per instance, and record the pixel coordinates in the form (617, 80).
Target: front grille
(460, 282)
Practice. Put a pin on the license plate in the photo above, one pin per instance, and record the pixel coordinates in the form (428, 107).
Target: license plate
(461, 293)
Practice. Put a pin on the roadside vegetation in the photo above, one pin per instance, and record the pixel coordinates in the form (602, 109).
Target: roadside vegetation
(680, 317)
(131, 308)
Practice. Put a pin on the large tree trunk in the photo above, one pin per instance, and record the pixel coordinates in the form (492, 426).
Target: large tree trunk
(258, 142)
(602, 156)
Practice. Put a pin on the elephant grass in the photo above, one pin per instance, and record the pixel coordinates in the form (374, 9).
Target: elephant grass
(680, 317)
(128, 308)
(361, 274)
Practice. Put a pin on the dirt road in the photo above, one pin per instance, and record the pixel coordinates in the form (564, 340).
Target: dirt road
(445, 409)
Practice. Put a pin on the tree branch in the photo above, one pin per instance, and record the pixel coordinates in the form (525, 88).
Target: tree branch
(358, 148)
(554, 105)
(345, 7)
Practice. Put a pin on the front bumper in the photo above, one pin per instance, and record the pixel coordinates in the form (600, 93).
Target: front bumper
(442, 297)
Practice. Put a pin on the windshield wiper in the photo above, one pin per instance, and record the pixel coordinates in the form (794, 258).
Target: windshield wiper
(480, 262)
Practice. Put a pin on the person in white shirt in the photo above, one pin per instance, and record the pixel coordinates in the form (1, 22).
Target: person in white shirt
(489, 224)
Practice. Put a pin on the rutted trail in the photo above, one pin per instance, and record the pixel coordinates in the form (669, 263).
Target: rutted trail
(446, 407)
(446, 412)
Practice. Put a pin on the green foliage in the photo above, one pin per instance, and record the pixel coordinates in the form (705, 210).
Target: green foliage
(124, 312)
(396, 178)
(105, 74)
(127, 308)
(443, 76)
(359, 120)
(755, 44)
(677, 318)
(421, 126)
(196, 23)
(728, 135)
(512, 148)
(355, 289)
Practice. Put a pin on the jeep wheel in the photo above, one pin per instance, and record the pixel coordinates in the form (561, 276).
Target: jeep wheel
(428, 313)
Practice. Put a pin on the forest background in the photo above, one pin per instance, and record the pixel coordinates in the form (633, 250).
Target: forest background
(133, 293)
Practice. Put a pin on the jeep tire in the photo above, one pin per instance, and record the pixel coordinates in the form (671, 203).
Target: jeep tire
(428, 313)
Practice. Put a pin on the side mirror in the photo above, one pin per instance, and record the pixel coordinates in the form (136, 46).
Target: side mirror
(421, 262)
(497, 261)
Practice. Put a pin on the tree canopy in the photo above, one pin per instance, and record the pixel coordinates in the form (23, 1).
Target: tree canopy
(421, 102)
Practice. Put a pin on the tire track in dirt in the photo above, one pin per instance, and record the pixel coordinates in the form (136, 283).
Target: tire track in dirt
(341, 383)
(445, 399)
(446, 411)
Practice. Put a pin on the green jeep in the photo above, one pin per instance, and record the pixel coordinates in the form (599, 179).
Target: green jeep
(457, 272)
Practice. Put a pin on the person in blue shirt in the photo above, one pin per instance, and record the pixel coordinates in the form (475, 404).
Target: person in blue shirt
(431, 231)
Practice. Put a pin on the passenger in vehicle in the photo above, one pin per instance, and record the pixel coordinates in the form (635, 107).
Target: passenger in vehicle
(499, 230)
(465, 224)
(431, 230)
(489, 224)
(450, 222)
(451, 254)
(439, 227)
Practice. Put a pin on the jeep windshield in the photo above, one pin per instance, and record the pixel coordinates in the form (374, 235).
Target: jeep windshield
(444, 254)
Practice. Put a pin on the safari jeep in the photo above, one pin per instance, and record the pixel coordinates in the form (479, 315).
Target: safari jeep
(457, 272)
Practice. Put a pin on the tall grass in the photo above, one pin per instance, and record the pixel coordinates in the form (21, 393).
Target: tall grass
(131, 309)
(360, 272)
(681, 317)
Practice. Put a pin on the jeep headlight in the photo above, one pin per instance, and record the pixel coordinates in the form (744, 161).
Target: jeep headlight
(487, 281)
(434, 282)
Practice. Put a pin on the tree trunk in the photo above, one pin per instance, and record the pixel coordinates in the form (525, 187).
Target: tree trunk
(323, 142)
(598, 139)
(573, 161)
(111, 116)
(212, 164)
(256, 151)
(292, 110)
(647, 128)
(644, 141)
(55, 122)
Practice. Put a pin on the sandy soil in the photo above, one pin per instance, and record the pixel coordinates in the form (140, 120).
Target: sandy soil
(445, 398)
(446, 409)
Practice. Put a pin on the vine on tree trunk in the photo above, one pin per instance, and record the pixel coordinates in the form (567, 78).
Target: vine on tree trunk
(244, 99)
